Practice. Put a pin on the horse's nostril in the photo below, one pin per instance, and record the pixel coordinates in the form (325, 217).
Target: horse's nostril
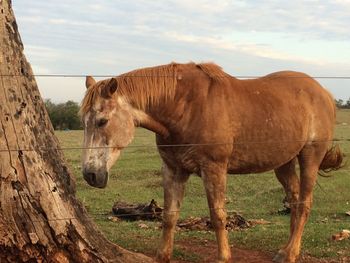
(91, 178)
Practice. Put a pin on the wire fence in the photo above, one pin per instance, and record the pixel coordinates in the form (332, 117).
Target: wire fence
(270, 215)
(329, 218)
(265, 143)
(160, 76)
(109, 216)
(273, 216)
(104, 215)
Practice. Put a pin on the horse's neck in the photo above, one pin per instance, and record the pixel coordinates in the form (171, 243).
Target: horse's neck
(165, 114)
(152, 119)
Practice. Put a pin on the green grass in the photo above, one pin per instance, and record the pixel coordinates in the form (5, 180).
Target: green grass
(136, 178)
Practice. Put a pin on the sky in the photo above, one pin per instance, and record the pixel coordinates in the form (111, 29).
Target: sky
(246, 38)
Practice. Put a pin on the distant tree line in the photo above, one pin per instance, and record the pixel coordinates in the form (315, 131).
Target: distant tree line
(341, 104)
(64, 116)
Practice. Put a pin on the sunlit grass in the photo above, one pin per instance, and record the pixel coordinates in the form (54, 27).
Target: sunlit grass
(136, 179)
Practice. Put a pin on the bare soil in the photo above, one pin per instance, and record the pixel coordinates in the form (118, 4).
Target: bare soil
(206, 253)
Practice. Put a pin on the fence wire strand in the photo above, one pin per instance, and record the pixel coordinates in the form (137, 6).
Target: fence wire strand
(158, 76)
(275, 142)
(340, 218)
(273, 214)
(107, 214)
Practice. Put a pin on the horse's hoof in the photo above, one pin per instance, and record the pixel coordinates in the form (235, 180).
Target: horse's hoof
(224, 260)
(162, 258)
(281, 257)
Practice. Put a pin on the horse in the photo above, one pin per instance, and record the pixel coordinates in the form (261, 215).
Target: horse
(211, 124)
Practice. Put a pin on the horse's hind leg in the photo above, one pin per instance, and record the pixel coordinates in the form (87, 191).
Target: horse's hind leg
(174, 186)
(214, 179)
(289, 179)
(309, 161)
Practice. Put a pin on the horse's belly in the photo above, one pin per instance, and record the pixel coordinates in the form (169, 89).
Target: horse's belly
(261, 157)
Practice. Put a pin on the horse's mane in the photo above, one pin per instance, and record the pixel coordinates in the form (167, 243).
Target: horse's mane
(147, 86)
(213, 71)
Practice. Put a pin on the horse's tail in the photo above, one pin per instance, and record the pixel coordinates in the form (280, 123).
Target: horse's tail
(333, 160)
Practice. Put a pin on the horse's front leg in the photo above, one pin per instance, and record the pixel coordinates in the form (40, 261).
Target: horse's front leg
(214, 179)
(174, 186)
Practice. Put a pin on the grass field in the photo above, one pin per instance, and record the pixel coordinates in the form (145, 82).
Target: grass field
(136, 178)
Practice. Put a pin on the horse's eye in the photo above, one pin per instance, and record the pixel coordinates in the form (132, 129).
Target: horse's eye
(101, 122)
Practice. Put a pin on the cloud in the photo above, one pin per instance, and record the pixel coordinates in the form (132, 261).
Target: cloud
(188, 21)
(40, 51)
(107, 37)
(204, 6)
(96, 7)
(59, 21)
(314, 19)
(34, 19)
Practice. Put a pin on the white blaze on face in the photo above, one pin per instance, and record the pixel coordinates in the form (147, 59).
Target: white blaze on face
(95, 149)
(103, 143)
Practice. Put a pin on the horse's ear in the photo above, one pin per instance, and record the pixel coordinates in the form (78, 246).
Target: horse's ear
(110, 88)
(89, 81)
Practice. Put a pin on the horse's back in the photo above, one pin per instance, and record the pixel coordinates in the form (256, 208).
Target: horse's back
(256, 125)
(278, 115)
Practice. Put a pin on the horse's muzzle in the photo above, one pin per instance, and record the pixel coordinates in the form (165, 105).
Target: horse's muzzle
(98, 180)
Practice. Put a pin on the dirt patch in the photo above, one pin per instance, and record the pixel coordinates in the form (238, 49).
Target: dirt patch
(205, 252)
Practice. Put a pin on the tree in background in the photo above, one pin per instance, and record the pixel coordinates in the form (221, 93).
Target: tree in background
(341, 104)
(63, 115)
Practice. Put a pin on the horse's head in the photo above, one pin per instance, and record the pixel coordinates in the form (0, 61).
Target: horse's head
(108, 128)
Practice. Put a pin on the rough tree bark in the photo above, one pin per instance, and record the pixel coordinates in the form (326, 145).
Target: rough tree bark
(40, 218)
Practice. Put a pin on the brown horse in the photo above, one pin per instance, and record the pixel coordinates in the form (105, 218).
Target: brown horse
(213, 124)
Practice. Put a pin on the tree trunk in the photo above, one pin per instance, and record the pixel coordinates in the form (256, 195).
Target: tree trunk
(40, 218)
